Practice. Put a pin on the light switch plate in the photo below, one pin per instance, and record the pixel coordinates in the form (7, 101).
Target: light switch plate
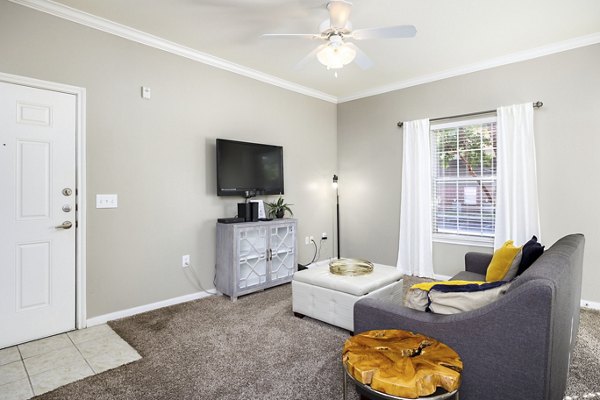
(106, 201)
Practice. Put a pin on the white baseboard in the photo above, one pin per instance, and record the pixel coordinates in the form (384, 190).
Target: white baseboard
(590, 304)
(101, 319)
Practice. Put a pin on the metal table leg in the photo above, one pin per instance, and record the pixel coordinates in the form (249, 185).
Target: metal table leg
(345, 384)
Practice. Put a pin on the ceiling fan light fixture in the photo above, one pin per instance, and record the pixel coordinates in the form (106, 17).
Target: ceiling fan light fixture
(336, 35)
(335, 57)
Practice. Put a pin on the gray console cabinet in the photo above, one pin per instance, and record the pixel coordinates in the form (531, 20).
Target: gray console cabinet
(253, 256)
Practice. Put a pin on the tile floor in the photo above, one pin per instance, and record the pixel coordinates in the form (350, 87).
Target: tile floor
(43, 365)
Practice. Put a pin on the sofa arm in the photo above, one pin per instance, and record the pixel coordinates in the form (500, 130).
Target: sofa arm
(477, 262)
(504, 346)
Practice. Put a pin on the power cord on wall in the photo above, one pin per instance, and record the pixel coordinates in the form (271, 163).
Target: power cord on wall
(195, 280)
(317, 253)
(320, 245)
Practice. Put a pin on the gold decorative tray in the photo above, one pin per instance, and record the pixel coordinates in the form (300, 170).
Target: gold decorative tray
(350, 267)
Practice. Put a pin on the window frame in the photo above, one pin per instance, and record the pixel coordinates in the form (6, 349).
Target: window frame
(457, 238)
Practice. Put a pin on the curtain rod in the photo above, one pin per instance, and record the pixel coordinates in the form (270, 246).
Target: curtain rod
(536, 104)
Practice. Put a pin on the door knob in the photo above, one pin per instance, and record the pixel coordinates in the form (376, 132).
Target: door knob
(65, 225)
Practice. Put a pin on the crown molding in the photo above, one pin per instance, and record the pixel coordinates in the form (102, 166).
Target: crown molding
(525, 55)
(114, 28)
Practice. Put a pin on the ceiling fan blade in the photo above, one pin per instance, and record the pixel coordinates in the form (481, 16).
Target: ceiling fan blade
(339, 12)
(309, 57)
(362, 60)
(292, 35)
(389, 32)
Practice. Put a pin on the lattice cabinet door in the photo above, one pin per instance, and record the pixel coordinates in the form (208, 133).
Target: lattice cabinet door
(252, 256)
(282, 251)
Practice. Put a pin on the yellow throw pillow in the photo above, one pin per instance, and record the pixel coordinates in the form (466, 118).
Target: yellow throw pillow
(501, 261)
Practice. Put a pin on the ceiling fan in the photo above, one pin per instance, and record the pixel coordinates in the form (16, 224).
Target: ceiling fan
(337, 33)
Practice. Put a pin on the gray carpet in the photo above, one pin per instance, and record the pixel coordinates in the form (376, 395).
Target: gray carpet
(584, 374)
(216, 349)
(253, 349)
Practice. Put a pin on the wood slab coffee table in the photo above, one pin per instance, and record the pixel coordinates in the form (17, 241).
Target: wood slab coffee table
(396, 364)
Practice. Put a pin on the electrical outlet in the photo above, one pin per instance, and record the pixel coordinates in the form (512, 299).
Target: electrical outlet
(185, 261)
(307, 240)
(324, 236)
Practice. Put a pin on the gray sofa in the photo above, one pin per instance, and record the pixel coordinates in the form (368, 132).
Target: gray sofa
(518, 347)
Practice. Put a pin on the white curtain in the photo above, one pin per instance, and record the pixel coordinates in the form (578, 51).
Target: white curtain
(517, 215)
(415, 243)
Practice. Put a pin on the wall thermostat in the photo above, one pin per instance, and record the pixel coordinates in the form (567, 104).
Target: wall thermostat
(146, 92)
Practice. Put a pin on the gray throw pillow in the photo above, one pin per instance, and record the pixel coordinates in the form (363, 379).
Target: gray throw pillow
(416, 299)
(454, 302)
(514, 267)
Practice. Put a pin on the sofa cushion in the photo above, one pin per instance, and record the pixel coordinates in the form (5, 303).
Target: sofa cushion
(468, 276)
(451, 297)
(441, 297)
(417, 296)
(502, 261)
(532, 250)
(445, 299)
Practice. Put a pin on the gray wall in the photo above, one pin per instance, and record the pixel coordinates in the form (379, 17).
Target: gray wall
(567, 141)
(159, 155)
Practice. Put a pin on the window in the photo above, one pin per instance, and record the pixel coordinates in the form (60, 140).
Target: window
(464, 180)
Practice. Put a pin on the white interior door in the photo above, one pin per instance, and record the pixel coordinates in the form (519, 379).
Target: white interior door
(37, 194)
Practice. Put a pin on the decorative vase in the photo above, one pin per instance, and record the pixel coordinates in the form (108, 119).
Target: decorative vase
(280, 213)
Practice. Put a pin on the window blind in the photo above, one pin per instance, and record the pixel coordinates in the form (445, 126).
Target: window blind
(464, 177)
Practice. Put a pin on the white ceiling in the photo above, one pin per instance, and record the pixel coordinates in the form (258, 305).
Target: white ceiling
(452, 34)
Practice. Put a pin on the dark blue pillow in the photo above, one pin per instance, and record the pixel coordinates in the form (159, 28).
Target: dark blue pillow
(532, 250)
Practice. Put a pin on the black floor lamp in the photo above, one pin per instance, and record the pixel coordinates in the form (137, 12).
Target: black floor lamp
(337, 203)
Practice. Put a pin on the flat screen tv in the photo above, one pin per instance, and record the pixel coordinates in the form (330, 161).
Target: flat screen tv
(248, 169)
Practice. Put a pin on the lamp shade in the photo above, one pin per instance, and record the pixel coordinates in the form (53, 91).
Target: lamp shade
(335, 57)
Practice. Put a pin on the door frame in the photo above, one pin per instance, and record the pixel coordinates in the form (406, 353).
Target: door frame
(80, 171)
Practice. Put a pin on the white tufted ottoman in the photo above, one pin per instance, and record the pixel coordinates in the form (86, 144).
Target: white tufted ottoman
(330, 298)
